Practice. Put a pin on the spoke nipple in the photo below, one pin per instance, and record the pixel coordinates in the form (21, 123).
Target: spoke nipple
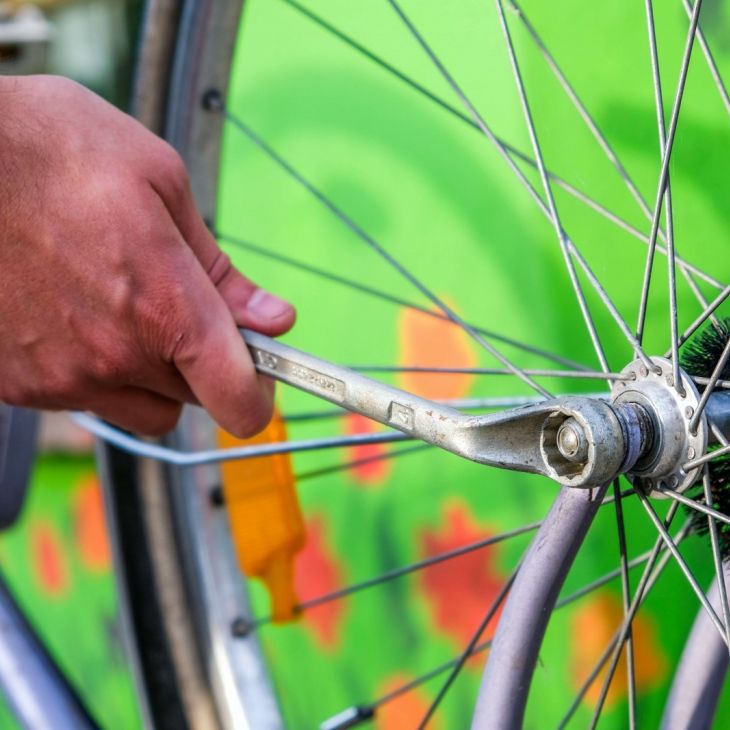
(240, 627)
(689, 412)
(643, 371)
(212, 100)
(350, 717)
(691, 452)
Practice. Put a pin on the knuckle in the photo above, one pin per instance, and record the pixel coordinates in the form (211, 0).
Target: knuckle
(171, 169)
(168, 331)
(63, 386)
(109, 368)
(219, 268)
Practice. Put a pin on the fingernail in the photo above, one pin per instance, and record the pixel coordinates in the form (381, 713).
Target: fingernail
(264, 305)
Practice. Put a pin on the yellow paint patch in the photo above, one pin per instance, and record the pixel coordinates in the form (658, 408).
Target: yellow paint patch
(427, 341)
(592, 627)
(265, 516)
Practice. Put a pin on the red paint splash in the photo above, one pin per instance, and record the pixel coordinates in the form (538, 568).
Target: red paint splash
(460, 591)
(373, 469)
(405, 711)
(317, 571)
(49, 561)
(90, 526)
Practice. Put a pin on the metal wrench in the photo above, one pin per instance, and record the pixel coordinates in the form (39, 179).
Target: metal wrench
(576, 441)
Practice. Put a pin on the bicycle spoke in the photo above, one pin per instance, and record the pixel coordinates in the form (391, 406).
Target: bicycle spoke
(216, 104)
(386, 296)
(647, 581)
(703, 302)
(572, 274)
(355, 715)
(499, 599)
(354, 463)
(716, 302)
(692, 504)
(626, 595)
(668, 211)
(604, 579)
(513, 151)
(596, 132)
(623, 630)
(525, 182)
(664, 171)
(682, 563)
(709, 456)
(717, 557)
(630, 338)
(714, 377)
(580, 106)
(714, 71)
(537, 372)
(406, 570)
(725, 384)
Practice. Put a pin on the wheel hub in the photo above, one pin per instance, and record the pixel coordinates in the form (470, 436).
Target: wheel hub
(656, 420)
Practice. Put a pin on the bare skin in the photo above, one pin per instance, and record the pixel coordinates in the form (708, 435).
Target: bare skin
(114, 296)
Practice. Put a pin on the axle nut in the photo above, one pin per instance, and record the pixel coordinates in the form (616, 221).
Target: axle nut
(571, 441)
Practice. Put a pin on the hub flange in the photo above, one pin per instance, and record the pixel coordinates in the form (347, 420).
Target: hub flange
(672, 444)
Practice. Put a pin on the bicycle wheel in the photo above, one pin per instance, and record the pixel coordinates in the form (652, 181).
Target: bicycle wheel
(354, 103)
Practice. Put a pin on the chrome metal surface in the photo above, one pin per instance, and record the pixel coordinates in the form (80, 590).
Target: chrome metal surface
(242, 686)
(34, 689)
(662, 466)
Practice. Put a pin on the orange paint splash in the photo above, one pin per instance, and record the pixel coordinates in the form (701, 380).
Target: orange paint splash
(317, 571)
(90, 530)
(460, 591)
(49, 562)
(427, 341)
(374, 470)
(405, 711)
(592, 627)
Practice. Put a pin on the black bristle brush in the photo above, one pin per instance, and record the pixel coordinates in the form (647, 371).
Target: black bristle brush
(699, 357)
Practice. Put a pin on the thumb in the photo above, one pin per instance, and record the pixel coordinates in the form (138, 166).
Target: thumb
(250, 305)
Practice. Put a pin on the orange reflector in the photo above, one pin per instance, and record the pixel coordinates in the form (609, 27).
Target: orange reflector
(265, 516)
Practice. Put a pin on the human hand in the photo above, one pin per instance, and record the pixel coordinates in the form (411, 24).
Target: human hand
(114, 296)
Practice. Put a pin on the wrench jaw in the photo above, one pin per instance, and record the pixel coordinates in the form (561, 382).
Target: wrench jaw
(527, 439)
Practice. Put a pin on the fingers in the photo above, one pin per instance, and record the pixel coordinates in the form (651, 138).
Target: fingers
(137, 410)
(214, 361)
(251, 306)
(167, 382)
